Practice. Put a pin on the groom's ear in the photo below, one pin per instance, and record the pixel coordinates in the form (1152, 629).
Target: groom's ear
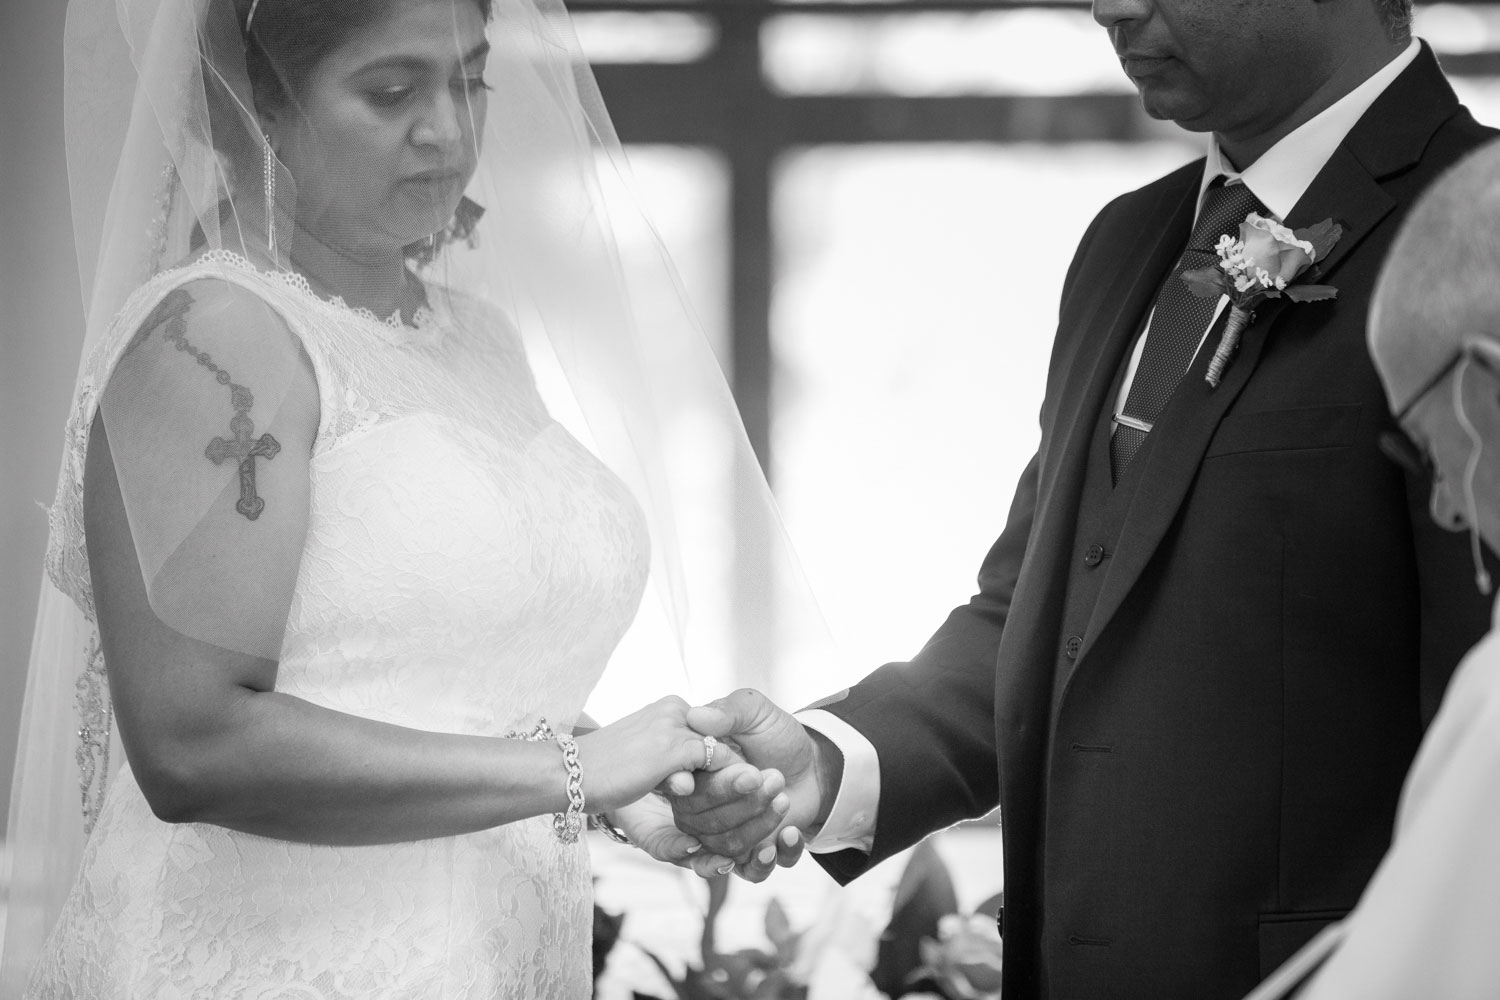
(832, 699)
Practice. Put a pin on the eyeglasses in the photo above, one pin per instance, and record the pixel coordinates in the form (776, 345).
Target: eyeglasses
(1397, 444)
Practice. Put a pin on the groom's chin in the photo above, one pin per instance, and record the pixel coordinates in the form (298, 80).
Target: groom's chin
(1187, 110)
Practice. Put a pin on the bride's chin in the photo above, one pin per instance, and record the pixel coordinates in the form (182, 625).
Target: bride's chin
(424, 216)
(416, 230)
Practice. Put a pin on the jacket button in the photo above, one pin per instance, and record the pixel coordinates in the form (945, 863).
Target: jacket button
(1000, 920)
(1072, 646)
(1093, 556)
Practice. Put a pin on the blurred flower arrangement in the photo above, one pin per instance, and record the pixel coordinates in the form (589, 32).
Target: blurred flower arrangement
(928, 951)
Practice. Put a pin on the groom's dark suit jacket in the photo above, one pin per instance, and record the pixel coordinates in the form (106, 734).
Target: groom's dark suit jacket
(1194, 696)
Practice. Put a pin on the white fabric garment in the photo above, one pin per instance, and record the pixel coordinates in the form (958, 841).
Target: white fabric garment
(467, 569)
(394, 521)
(1428, 924)
(1279, 179)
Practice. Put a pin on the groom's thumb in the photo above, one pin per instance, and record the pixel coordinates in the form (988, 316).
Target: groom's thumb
(745, 711)
(711, 720)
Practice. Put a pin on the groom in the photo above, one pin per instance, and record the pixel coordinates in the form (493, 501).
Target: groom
(1207, 641)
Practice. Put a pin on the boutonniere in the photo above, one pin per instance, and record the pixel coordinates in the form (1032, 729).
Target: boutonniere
(1262, 264)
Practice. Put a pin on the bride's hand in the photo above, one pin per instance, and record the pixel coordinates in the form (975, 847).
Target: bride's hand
(648, 825)
(625, 760)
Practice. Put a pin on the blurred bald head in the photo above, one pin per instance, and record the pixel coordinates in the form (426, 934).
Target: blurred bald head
(1441, 283)
(1435, 338)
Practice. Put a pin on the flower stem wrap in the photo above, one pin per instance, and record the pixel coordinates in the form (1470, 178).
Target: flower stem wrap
(1239, 318)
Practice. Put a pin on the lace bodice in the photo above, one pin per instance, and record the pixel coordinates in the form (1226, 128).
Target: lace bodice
(468, 567)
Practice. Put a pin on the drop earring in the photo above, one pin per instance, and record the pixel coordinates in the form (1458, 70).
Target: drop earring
(270, 187)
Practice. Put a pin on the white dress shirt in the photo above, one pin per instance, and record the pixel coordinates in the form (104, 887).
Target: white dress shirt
(1279, 179)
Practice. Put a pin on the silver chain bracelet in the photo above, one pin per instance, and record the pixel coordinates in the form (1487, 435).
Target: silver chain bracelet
(602, 823)
(567, 824)
(570, 824)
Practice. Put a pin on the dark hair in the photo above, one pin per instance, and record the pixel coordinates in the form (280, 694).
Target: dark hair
(286, 39)
(1396, 16)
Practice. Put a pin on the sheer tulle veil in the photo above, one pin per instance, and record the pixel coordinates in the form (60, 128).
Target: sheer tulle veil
(167, 161)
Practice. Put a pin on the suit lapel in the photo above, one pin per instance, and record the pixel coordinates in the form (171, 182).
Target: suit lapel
(1121, 309)
(1346, 190)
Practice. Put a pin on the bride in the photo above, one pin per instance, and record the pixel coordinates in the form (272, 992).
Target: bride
(329, 587)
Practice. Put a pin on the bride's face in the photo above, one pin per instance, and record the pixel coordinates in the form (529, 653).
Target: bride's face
(384, 136)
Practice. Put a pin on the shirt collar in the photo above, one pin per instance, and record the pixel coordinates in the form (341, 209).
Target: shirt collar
(1285, 171)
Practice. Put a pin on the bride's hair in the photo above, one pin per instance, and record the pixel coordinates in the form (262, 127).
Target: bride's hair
(286, 39)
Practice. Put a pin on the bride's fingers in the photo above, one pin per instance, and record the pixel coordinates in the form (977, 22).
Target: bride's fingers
(725, 754)
(704, 753)
(681, 784)
(686, 852)
(707, 866)
(677, 784)
(672, 846)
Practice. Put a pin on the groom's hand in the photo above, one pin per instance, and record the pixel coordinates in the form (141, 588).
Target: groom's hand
(759, 816)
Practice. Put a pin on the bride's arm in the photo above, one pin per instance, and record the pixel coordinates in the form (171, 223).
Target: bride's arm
(207, 736)
(210, 741)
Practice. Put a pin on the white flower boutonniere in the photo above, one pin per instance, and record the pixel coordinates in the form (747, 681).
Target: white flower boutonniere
(1260, 265)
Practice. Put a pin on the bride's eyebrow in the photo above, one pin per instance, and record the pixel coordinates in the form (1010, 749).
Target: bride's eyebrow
(417, 63)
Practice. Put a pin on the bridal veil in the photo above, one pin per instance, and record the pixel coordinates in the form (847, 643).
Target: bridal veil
(167, 160)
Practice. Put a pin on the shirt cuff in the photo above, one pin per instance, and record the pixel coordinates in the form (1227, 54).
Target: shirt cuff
(851, 822)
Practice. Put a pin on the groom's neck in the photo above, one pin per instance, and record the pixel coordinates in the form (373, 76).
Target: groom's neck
(1244, 145)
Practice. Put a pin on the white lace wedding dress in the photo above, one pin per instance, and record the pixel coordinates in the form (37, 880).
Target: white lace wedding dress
(469, 568)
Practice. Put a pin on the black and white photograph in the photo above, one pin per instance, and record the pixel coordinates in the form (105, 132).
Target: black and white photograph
(749, 499)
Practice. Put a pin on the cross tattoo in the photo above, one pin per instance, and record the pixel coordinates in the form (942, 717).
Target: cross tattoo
(244, 448)
(245, 451)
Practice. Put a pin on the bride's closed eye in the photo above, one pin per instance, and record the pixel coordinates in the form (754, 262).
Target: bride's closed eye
(388, 98)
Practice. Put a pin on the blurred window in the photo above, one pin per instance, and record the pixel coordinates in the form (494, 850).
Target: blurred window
(873, 206)
(622, 36)
(916, 300)
(943, 54)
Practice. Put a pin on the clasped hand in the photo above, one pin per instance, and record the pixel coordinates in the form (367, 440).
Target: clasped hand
(749, 811)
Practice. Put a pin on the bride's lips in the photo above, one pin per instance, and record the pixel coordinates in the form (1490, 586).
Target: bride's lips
(433, 178)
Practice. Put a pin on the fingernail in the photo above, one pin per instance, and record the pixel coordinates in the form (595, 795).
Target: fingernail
(695, 849)
(781, 803)
(790, 836)
(726, 869)
(767, 854)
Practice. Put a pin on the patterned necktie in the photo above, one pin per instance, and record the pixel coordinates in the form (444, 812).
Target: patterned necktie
(1178, 322)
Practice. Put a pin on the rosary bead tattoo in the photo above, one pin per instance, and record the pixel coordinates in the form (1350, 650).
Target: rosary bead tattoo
(243, 447)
